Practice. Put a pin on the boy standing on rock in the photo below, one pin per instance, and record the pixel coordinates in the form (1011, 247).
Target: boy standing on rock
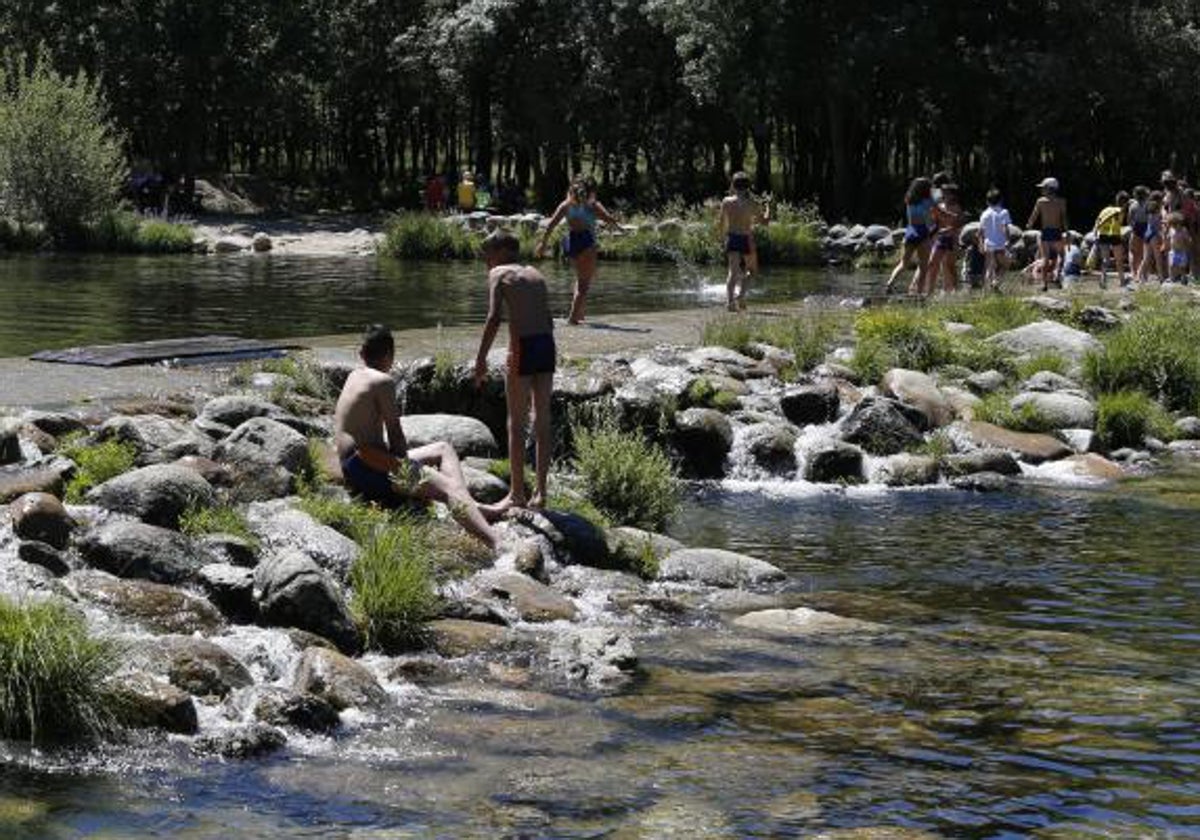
(531, 359)
(376, 462)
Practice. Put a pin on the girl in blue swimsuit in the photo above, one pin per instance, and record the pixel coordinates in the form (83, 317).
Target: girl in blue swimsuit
(581, 210)
(918, 209)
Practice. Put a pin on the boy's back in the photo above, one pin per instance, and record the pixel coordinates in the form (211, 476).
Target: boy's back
(358, 416)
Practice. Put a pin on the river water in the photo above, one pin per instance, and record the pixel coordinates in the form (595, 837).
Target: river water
(1031, 670)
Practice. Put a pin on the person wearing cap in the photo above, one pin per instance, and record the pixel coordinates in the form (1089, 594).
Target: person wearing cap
(1050, 217)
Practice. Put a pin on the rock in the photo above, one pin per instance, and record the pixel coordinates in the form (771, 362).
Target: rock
(157, 439)
(338, 680)
(803, 621)
(232, 244)
(532, 601)
(138, 550)
(229, 548)
(703, 438)
(629, 548)
(963, 402)
(1099, 318)
(716, 567)
(293, 591)
(283, 707)
(146, 703)
(158, 494)
(1187, 428)
(834, 463)
(1080, 440)
(918, 390)
(958, 328)
(221, 415)
(483, 486)
(1032, 448)
(263, 442)
(984, 482)
(666, 381)
(597, 656)
(199, 666)
(261, 243)
(880, 426)
(17, 481)
(10, 443)
(454, 637)
(41, 517)
(54, 423)
(575, 539)
(231, 590)
(1046, 336)
(47, 556)
(1058, 410)
(1049, 382)
(987, 382)
(878, 233)
(996, 461)
(164, 609)
(810, 404)
(467, 435)
(1048, 304)
(1091, 465)
(721, 359)
(772, 446)
(218, 475)
(252, 740)
(906, 470)
(283, 528)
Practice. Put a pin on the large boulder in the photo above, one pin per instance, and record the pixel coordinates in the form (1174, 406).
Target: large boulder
(197, 666)
(905, 470)
(601, 657)
(806, 405)
(834, 463)
(143, 702)
(1031, 448)
(41, 517)
(221, 415)
(293, 591)
(716, 567)
(530, 600)
(703, 438)
(157, 494)
(231, 589)
(881, 426)
(281, 528)
(338, 680)
(772, 446)
(139, 550)
(1059, 410)
(155, 606)
(261, 442)
(467, 435)
(157, 439)
(919, 391)
(1046, 337)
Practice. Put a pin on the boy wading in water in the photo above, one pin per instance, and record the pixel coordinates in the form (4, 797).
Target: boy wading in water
(739, 214)
(376, 462)
(521, 289)
(1050, 216)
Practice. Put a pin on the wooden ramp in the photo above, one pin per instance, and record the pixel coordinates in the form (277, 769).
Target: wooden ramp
(184, 351)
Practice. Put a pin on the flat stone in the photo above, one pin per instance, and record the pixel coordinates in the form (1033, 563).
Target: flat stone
(803, 621)
(597, 656)
(532, 601)
(1032, 448)
(1059, 410)
(906, 470)
(148, 703)
(155, 606)
(453, 637)
(919, 391)
(716, 567)
(997, 461)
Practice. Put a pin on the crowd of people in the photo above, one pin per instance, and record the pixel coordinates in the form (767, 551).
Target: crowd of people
(1144, 235)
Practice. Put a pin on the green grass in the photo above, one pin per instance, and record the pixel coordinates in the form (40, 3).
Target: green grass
(703, 394)
(1156, 352)
(53, 674)
(627, 478)
(1047, 360)
(997, 409)
(305, 375)
(355, 520)
(1127, 418)
(392, 584)
(424, 236)
(809, 336)
(988, 315)
(502, 469)
(937, 446)
(220, 519)
(95, 463)
(128, 233)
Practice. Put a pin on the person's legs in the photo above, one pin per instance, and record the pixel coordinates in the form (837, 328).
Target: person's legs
(733, 278)
(585, 272)
(542, 386)
(516, 392)
(906, 256)
(1104, 251)
(950, 263)
(439, 487)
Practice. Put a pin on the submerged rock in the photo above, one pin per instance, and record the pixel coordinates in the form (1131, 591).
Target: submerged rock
(716, 567)
(155, 606)
(158, 494)
(532, 601)
(803, 621)
(907, 470)
(41, 517)
(138, 550)
(598, 656)
(453, 637)
(146, 703)
(983, 482)
(293, 591)
(250, 740)
(338, 680)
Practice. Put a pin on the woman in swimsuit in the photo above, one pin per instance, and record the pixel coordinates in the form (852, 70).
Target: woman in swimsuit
(581, 210)
(1139, 223)
(1152, 258)
(949, 218)
(918, 208)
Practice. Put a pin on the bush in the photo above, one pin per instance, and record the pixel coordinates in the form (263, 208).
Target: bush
(156, 236)
(1156, 352)
(625, 476)
(392, 582)
(95, 463)
(61, 160)
(53, 675)
(221, 519)
(426, 236)
(1128, 417)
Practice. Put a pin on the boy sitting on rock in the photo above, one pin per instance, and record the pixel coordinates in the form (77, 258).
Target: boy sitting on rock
(376, 462)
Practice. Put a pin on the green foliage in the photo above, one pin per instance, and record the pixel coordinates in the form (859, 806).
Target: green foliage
(703, 394)
(996, 408)
(937, 446)
(355, 520)
(1156, 352)
(807, 336)
(569, 502)
(303, 371)
(989, 314)
(1126, 418)
(61, 159)
(914, 338)
(424, 236)
(219, 519)
(788, 244)
(53, 675)
(627, 478)
(502, 469)
(95, 463)
(393, 593)
(120, 231)
(1045, 361)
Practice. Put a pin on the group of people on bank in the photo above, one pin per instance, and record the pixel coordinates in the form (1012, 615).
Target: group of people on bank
(1145, 234)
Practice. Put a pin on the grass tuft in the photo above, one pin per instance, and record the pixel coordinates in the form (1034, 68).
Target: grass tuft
(1127, 418)
(1156, 352)
(95, 463)
(220, 519)
(393, 594)
(627, 478)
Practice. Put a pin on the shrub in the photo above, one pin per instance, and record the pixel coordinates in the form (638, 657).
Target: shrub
(156, 236)
(95, 463)
(53, 675)
(17, 236)
(427, 236)
(1126, 418)
(61, 160)
(1156, 352)
(782, 243)
(220, 519)
(625, 476)
(392, 582)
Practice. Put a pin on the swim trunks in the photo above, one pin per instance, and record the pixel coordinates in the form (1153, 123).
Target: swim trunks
(388, 490)
(1052, 234)
(916, 234)
(578, 241)
(533, 354)
(1140, 230)
(946, 242)
(1110, 240)
(1179, 259)
(737, 243)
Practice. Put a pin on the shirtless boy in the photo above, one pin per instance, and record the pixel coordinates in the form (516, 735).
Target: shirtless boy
(1050, 216)
(739, 214)
(521, 289)
(381, 468)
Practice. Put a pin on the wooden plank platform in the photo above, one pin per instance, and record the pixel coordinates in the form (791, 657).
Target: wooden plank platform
(196, 350)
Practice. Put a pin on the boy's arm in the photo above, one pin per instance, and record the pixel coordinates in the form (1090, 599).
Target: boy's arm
(389, 413)
(603, 215)
(559, 212)
(490, 328)
(1035, 215)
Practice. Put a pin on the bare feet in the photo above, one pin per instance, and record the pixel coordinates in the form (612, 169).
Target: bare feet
(496, 512)
(536, 502)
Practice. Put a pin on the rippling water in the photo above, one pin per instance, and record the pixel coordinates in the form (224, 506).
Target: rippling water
(1035, 675)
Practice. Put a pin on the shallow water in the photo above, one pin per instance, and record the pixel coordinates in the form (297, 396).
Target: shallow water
(50, 302)
(1033, 672)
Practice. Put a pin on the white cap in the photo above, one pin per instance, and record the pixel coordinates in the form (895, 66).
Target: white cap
(1049, 184)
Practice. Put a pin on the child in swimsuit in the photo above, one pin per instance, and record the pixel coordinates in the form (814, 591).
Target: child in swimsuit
(1138, 218)
(581, 210)
(739, 214)
(918, 210)
(949, 218)
(1181, 248)
(1110, 238)
(1152, 256)
(1050, 216)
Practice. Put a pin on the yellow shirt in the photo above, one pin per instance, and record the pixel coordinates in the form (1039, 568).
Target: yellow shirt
(466, 195)
(1108, 223)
